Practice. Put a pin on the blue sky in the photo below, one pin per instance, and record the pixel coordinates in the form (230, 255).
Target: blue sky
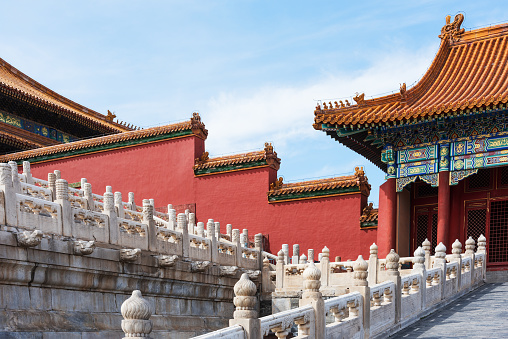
(252, 69)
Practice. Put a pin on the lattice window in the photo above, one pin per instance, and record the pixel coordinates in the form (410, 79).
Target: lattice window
(479, 181)
(434, 233)
(422, 221)
(425, 190)
(503, 177)
(498, 232)
(476, 221)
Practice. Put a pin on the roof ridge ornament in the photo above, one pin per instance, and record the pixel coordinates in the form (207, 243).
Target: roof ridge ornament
(277, 184)
(359, 98)
(403, 91)
(452, 31)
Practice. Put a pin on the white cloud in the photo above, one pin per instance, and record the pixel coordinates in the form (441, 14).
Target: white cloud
(242, 121)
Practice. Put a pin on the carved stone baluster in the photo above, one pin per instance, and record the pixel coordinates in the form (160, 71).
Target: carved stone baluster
(136, 312)
(426, 245)
(470, 244)
(303, 259)
(482, 244)
(245, 302)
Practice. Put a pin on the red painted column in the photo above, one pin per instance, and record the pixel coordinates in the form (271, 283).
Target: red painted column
(387, 223)
(443, 209)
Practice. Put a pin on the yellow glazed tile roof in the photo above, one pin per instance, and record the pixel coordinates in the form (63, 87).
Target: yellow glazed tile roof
(470, 71)
(194, 124)
(16, 84)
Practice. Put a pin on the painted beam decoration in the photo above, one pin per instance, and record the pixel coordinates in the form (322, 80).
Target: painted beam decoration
(462, 158)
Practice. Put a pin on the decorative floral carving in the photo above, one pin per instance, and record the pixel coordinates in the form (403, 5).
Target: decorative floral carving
(29, 239)
(83, 247)
(311, 278)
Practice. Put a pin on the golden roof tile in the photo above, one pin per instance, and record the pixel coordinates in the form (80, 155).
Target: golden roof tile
(194, 126)
(266, 155)
(469, 71)
(369, 214)
(358, 180)
(17, 84)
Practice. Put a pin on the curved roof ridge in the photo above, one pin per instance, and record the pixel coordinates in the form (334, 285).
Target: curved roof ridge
(468, 71)
(103, 140)
(18, 81)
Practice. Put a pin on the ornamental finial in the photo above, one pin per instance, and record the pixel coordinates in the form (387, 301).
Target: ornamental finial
(136, 312)
(452, 31)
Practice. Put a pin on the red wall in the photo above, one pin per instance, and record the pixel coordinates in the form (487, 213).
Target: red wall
(164, 171)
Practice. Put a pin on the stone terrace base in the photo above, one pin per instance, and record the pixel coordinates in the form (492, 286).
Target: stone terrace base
(48, 292)
(500, 276)
(479, 314)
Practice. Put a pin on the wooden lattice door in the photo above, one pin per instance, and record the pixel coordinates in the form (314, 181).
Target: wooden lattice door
(497, 238)
(425, 226)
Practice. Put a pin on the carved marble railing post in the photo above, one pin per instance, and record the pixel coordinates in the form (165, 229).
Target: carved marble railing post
(217, 230)
(16, 184)
(131, 203)
(62, 198)
(182, 225)
(456, 252)
(440, 261)
(136, 312)
(419, 267)
(200, 229)
(58, 174)
(27, 172)
(310, 255)
(470, 246)
(266, 283)
(360, 284)
(426, 246)
(52, 184)
(325, 266)
(245, 233)
(11, 213)
(296, 254)
(279, 270)
(285, 249)
(88, 195)
(110, 211)
(235, 238)
(120, 212)
(150, 225)
(172, 218)
(245, 313)
(258, 245)
(373, 265)
(82, 183)
(210, 233)
(312, 296)
(303, 259)
(482, 248)
(191, 225)
(229, 231)
(393, 274)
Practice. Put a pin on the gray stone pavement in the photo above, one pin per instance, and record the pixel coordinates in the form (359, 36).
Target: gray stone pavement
(480, 314)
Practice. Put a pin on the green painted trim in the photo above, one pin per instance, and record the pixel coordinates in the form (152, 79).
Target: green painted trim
(314, 194)
(368, 224)
(109, 146)
(75, 184)
(229, 168)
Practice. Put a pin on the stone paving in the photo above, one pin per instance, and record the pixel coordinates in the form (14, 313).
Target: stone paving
(480, 314)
